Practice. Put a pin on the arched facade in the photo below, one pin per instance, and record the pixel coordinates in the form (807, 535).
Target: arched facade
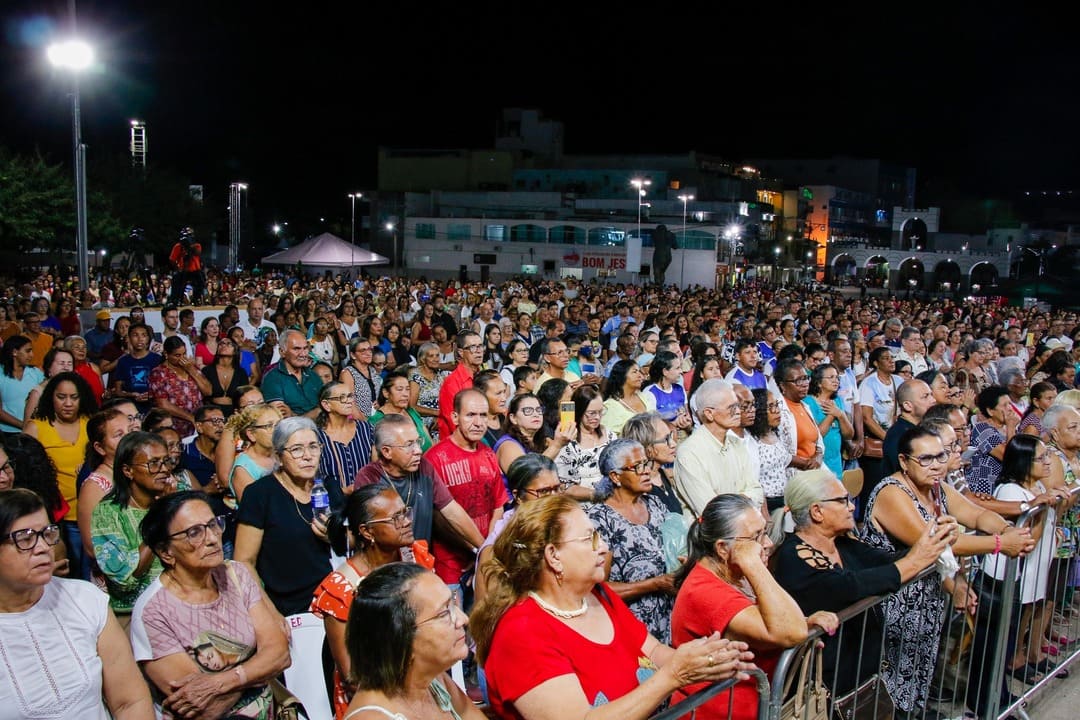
(871, 262)
(983, 274)
(947, 276)
(911, 275)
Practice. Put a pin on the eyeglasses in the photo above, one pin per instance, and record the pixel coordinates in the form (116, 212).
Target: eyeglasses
(401, 519)
(25, 540)
(546, 491)
(447, 613)
(156, 465)
(830, 377)
(196, 534)
(668, 439)
(473, 348)
(928, 460)
(732, 410)
(345, 398)
(262, 426)
(7, 467)
(798, 381)
(594, 537)
(299, 451)
(214, 421)
(773, 406)
(411, 445)
(595, 413)
(637, 468)
(759, 538)
(845, 499)
(531, 410)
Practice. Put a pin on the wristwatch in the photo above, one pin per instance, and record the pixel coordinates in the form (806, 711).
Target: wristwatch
(1025, 506)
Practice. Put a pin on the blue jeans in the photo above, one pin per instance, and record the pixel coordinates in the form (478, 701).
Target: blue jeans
(76, 559)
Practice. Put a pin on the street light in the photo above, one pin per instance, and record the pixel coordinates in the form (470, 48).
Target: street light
(353, 197)
(640, 184)
(75, 56)
(685, 199)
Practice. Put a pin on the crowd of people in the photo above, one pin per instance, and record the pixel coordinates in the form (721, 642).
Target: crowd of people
(646, 484)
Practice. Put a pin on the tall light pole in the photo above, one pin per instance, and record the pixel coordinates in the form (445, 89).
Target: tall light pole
(235, 202)
(640, 184)
(353, 197)
(393, 239)
(682, 263)
(75, 56)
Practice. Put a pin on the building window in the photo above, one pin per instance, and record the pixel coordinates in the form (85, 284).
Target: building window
(457, 232)
(528, 233)
(425, 231)
(496, 233)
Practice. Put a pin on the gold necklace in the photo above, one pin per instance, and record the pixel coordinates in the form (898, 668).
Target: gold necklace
(296, 502)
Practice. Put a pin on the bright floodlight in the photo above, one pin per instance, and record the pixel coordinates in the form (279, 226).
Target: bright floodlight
(389, 226)
(71, 54)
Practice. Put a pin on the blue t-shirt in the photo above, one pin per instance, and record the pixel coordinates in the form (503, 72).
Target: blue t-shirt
(13, 393)
(134, 374)
(832, 439)
(668, 403)
(754, 380)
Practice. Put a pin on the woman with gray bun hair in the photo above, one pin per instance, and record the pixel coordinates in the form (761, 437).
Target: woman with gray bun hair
(629, 518)
(728, 549)
(825, 568)
(425, 381)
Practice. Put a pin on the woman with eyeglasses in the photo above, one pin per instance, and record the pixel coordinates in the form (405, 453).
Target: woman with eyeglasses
(405, 631)
(58, 629)
(898, 510)
(372, 529)
(728, 549)
(524, 433)
(360, 379)
(825, 568)
(143, 473)
(517, 355)
(278, 534)
(659, 441)
(629, 518)
(346, 441)
(587, 653)
(578, 462)
(830, 414)
(773, 455)
(205, 637)
(394, 400)
(230, 444)
(530, 477)
(254, 426)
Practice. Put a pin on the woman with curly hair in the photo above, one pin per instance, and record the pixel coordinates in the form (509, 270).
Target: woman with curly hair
(59, 424)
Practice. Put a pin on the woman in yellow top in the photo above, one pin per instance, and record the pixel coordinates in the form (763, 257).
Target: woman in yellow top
(59, 424)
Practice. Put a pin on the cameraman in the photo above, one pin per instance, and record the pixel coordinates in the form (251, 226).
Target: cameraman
(186, 258)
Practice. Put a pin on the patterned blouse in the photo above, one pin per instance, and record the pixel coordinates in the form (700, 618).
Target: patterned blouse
(429, 395)
(166, 384)
(365, 391)
(637, 553)
(579, 465)
(985, 468)
(773, 460)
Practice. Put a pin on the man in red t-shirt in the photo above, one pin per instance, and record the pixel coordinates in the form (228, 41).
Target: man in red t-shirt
(470, 353)
(471, 472)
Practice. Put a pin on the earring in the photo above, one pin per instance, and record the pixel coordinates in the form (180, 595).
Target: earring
(559, 577)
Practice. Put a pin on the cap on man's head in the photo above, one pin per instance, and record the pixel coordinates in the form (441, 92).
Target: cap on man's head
(103, 315)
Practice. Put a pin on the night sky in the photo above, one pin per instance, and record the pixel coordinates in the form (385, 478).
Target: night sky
(295, 101)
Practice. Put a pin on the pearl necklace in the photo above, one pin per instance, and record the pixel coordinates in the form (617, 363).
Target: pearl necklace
(559, 612)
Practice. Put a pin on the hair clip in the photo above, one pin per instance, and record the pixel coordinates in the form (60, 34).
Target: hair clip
(519, 546)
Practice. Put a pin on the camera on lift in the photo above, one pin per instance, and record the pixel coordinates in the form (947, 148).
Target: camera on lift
(187, 236)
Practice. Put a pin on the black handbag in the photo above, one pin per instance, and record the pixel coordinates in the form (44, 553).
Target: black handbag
(869, 701)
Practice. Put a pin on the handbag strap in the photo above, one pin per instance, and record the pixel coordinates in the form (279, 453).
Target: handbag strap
(804, 669)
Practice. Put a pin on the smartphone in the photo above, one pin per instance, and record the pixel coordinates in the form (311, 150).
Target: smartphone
(566, 415)
(587, 369)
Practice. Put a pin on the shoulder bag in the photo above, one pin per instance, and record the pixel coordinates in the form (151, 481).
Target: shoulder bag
(811, 699)
(869, 701)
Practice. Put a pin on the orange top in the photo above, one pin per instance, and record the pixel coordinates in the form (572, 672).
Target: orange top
(806, 429)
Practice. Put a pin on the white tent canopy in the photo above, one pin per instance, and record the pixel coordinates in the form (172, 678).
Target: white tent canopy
(325, 250)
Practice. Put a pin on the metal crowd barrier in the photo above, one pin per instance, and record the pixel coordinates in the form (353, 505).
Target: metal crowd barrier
(962, 665)
(689, 705)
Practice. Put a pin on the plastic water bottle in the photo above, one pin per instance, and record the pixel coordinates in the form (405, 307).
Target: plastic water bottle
(320, 500)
